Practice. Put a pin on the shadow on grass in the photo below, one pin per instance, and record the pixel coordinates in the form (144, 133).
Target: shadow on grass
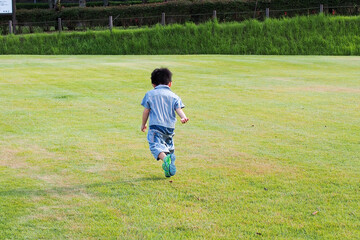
(122, 185)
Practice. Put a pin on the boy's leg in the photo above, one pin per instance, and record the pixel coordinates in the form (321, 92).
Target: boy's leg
(171, 146)
(160, 149)
(172, 168)
(157, 145)
(166, 164)
(161, 156)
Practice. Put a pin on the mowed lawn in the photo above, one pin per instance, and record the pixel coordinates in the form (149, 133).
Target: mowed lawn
(271, 151)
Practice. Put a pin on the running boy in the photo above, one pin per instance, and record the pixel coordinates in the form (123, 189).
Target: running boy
(161, 104)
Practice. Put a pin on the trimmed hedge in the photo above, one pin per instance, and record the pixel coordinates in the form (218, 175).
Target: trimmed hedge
(44, 5)
(315, 35)
(182, 7)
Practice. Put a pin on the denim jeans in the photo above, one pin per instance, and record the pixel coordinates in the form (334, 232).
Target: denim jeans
(160, 142)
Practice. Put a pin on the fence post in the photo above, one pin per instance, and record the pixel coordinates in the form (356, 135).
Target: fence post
(10, 27)
(214, 14)
(321, 8)
(59, 25)
(256, 3)
(110, 23)
(267, 12)
(163, 19)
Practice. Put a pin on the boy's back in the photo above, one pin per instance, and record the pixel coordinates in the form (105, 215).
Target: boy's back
(163, 104)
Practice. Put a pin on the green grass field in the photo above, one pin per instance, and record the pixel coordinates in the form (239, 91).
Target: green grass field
(271, 140)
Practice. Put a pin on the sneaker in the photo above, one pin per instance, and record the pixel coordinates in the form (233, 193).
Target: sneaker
(166, 166)
(172, 168)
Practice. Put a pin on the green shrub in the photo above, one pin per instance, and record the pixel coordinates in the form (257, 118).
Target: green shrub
(314, 35)
(76, 4)
(183, 9)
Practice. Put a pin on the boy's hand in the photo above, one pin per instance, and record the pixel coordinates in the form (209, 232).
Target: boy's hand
(184, 120)
(144, 119)
(182, 115)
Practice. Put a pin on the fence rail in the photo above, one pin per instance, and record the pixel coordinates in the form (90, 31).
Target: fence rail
(140, 21)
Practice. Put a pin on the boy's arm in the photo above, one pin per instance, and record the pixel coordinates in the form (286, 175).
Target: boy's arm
(145, 117)
(182, 115)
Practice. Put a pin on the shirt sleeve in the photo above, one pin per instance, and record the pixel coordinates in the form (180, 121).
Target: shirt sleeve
(178, 103)
(145, 102)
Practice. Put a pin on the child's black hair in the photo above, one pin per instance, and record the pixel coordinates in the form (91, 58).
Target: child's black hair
(161, 76)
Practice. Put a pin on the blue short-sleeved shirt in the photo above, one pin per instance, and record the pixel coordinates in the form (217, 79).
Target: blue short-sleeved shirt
(162, 103)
